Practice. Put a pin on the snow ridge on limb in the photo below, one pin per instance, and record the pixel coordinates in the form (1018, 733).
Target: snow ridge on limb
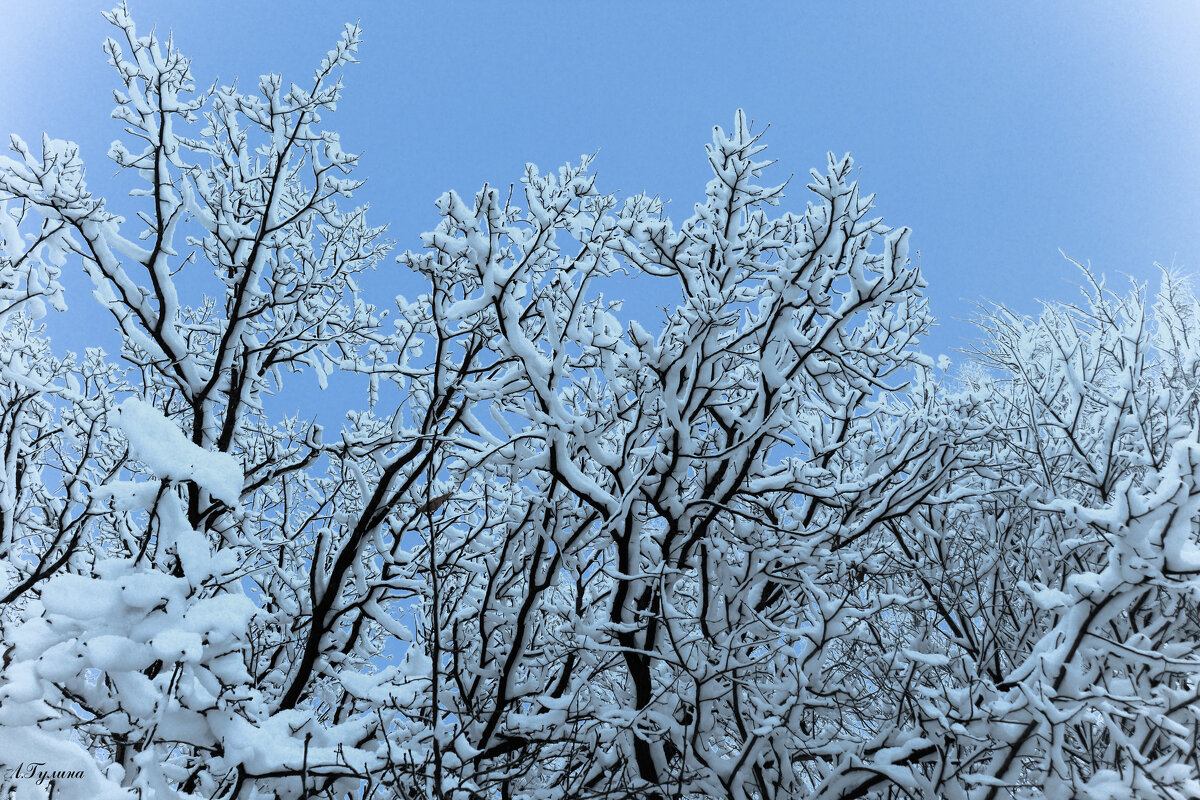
(155, 440)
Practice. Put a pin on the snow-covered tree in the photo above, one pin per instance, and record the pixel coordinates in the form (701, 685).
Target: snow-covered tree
(1075, 597)
(766, 550)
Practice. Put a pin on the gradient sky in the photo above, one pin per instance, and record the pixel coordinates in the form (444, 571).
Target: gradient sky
(999, 133)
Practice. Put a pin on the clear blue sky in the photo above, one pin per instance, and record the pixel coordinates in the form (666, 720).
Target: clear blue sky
(999, 133)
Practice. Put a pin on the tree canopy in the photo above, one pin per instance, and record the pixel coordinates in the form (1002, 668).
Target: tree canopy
(764, 549)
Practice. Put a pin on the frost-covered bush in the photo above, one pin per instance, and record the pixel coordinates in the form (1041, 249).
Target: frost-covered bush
(766, 550)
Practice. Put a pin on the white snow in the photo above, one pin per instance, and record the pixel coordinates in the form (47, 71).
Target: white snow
(156, 440)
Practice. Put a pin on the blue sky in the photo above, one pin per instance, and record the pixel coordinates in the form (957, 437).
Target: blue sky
(999, 133)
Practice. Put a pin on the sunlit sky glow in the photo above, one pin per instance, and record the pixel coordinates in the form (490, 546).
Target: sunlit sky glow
(1000, 135)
